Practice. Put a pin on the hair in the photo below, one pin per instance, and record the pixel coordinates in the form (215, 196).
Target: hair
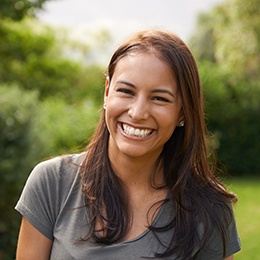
(198, 197)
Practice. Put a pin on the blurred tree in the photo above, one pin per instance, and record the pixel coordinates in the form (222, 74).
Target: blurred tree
(227, 46)
(17, 9)
(32, 55)
(238, 39)
(67, 128)
(229, 35)
(16, 113)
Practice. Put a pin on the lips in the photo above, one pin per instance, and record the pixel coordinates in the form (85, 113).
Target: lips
(129, 130)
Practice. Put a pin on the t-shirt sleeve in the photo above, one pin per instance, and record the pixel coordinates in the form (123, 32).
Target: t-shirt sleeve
(39, 201)
(234, 241)
(213, 249)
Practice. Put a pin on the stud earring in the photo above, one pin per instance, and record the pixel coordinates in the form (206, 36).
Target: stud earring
(181, 123)
(105, 106)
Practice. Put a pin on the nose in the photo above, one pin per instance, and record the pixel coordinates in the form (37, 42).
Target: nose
(139, 109)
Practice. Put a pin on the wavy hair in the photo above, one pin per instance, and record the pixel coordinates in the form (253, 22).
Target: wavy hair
(198, 197)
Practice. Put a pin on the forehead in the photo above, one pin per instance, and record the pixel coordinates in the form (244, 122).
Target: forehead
(143, 61)
(144, 69)
(166, 55)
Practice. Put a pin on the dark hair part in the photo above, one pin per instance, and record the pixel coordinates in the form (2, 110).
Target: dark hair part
(198, 197)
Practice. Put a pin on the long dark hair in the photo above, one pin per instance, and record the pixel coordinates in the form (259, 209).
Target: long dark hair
(190, 174)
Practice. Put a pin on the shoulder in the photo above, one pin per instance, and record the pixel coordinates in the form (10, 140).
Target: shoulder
(60, 163)
(48, 187)
(53, 178)
(52, 169)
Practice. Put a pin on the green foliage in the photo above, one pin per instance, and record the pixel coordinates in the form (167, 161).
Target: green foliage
(229, 35)
(31, 56)
(232, 117)
(67, 128)
(227, 46)
(17, 9)
(17, 111)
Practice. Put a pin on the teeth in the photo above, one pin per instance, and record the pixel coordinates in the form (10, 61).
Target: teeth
(135, 131)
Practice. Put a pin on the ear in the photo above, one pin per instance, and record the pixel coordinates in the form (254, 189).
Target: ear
(106, 88)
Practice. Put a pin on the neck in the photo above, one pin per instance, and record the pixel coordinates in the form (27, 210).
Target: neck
(137, 172)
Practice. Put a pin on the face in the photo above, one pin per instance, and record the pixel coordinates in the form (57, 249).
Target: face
(143, 106)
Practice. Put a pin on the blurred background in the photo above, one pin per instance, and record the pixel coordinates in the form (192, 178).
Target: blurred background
(53, 57)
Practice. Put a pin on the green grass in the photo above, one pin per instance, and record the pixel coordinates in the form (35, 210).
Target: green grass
(247, 213)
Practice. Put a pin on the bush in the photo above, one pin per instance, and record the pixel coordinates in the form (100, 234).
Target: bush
(61, 128)
(17, 111)
(232, 113)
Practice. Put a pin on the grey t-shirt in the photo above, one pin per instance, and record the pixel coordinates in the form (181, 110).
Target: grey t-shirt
(53, 203)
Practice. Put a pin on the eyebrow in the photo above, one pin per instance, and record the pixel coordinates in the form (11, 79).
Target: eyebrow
(164, 91)
(153, 91)
(126, 83)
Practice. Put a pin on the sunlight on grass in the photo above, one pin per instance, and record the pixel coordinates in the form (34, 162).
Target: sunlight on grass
(248, 216)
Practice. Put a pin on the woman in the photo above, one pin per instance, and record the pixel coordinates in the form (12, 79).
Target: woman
(145, 187)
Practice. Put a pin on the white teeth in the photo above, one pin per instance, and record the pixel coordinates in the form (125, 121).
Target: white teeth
(135, 131)
(131, 131)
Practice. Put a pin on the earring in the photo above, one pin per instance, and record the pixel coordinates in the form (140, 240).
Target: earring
(181, 123)
(105, 106)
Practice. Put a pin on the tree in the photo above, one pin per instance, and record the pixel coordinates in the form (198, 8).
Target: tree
(227, 46)
(229, 35)
(17, 109)
(18, 9)
(32, 55)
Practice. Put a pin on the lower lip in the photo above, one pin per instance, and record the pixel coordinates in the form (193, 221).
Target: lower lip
(120, 127)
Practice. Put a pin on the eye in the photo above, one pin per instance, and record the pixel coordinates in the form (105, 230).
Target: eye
(125, 91)
(162, 99)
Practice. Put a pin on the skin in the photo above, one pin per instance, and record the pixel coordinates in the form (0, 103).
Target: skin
(230, 258)
(32, 244)
(143, 95)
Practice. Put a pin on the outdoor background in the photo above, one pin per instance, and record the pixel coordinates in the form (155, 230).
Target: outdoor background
(53, 59)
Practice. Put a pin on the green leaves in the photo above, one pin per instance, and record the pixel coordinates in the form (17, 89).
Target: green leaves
(18, 9)
(227, 46)
(16, 113)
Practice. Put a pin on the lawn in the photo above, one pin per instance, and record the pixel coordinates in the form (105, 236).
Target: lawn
(247, 213)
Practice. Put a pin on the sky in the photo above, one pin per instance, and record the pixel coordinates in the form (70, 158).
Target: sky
(121, 18)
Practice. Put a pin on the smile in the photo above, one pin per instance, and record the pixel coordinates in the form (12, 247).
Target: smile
(136, 131)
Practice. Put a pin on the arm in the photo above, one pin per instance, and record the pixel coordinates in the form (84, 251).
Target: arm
(231, 257)
(32, 244)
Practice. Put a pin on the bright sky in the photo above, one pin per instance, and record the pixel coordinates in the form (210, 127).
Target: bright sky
(121, 17)
(124, 17)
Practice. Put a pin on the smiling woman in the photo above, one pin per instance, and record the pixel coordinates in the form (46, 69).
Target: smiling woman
(144, 187)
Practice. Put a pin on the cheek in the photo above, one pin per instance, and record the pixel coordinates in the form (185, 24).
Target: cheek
(168, 117)
(114, 109)
(168, 122)
(115, 105)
